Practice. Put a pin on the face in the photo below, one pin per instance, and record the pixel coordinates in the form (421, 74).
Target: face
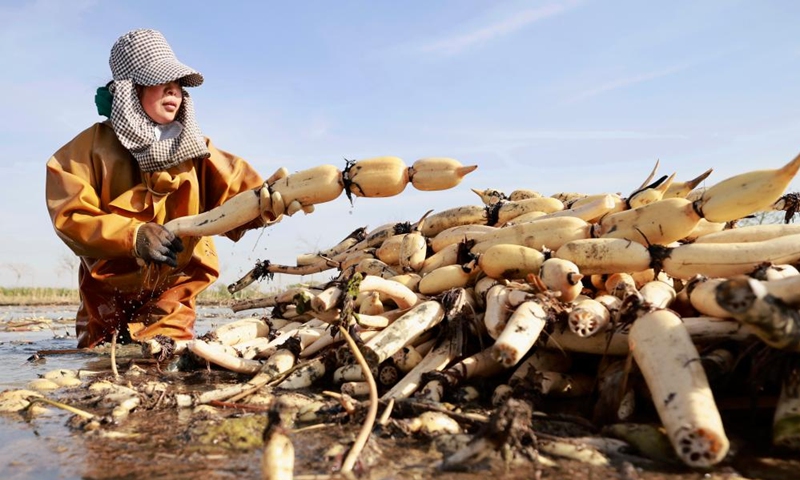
(161, 102)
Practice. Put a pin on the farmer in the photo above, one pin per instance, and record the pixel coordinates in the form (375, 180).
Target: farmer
(110, 189)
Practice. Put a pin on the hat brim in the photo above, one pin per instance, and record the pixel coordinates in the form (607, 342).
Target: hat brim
(158, 73)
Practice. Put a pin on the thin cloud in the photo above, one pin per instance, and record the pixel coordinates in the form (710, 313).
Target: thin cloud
(626, 82)
(587, 135)
(455, 45)
(531, 135)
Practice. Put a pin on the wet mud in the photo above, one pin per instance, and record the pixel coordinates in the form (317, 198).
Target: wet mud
(159, 440)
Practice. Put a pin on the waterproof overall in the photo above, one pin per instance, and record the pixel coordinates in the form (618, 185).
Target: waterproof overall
(97, 196)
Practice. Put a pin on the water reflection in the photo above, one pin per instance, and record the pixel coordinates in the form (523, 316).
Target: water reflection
(26, 330)
(41, 448)
(44, 447)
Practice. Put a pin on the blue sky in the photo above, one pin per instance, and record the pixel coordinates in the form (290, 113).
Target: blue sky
(553, 96)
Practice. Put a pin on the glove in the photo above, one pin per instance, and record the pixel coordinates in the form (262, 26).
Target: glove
(156, 244)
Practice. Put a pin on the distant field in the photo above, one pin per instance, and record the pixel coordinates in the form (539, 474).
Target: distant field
(66, 296)
(37, 296)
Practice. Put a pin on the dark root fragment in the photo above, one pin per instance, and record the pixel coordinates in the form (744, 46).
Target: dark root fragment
(658, 253)
(167, 347)
(402, 227)
(791, 205)
(493, 213)
(464, 254)
(347, 181)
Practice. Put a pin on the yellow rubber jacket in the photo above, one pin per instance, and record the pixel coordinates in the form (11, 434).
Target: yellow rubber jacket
(97, 197)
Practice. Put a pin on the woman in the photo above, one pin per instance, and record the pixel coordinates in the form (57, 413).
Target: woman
(111, 188)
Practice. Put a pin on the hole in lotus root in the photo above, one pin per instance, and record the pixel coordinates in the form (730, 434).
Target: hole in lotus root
(388, 375)
(699, 447)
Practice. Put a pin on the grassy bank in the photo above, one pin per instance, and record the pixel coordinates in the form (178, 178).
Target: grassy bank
(216, 295)
(37, 296)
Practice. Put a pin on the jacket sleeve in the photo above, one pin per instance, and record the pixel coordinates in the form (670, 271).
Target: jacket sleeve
(223, 175)
(76, 209)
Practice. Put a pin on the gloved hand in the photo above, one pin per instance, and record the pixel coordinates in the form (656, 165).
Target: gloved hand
(154, 243)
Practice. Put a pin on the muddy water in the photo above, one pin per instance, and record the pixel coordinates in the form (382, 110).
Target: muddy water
(174, 444)
(29, 447)
(159, 443)
(24, 331)
(44, 447)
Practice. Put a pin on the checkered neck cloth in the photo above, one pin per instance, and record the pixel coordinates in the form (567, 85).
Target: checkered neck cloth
(137, 132)
(143, 57)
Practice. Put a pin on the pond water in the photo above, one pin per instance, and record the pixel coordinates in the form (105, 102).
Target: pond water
(44, 448)
(26, 330)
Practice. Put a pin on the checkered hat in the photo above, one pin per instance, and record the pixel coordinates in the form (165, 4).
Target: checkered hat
(145, 57)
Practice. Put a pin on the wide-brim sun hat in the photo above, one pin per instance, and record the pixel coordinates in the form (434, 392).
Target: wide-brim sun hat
(144, 57)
